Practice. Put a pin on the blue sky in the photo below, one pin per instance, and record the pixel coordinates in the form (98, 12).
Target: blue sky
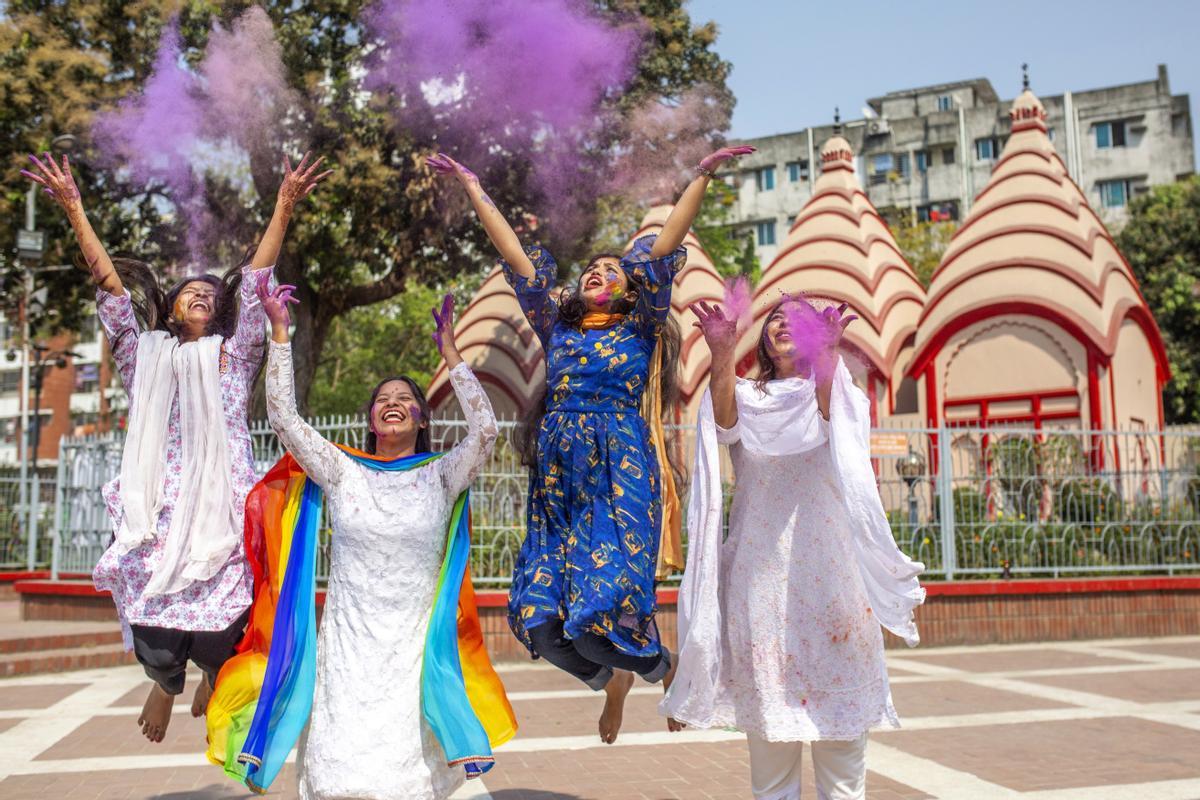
(794, 60)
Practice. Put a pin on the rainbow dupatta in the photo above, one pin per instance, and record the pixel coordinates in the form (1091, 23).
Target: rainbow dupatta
(263, 694)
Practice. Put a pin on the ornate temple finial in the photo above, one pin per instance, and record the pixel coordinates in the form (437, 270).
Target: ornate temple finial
(1025, 76)
(837, 121)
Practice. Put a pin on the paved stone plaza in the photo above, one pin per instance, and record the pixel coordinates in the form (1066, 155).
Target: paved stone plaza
(1111, 720)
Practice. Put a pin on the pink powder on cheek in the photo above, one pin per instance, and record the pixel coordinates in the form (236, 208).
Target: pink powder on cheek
(809, 332)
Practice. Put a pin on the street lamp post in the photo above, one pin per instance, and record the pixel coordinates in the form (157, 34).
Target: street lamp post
(31, 243)
(912, 469)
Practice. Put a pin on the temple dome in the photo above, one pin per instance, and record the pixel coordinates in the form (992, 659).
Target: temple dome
(839, 249)
(1031, 244)
(500, 348)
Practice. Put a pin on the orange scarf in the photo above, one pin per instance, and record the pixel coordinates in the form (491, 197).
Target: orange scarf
(670, 545)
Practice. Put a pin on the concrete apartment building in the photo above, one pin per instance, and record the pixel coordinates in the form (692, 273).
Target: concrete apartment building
(81, 397)
(925, 153)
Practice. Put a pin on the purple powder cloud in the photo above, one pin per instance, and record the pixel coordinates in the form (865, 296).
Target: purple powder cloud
(184, 124)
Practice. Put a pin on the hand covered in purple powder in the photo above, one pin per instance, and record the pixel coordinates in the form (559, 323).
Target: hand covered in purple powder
(443, 164)
(817, 333)
(720, 332)
(298, 183)
(57, 181)
(714, 160)
(443, 332)
(275, 303)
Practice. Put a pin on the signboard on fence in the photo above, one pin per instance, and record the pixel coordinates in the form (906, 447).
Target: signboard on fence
(888, 445)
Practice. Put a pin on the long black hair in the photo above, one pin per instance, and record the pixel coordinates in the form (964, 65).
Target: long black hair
(153, 307)
(571, 310)
(767, 371)
(423, 442)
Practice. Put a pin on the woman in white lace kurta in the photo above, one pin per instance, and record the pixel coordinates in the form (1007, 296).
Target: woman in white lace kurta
(780, 623)
(367, 738)
(177, 569)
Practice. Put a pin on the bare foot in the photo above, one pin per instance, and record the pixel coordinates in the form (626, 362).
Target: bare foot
(200, 699)
(156, 714)
(614, 705)
(673, 725)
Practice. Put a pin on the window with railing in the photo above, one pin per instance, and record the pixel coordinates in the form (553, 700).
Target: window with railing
(10, 382)
(797, 171)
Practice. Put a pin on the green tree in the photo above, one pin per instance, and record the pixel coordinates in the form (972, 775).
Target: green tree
(376, 227)
(731, 248)
(923, 245)
(374, 342)
(58, 62)
(1161, 242)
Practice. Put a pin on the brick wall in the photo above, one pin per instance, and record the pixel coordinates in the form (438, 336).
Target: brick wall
(953, 614)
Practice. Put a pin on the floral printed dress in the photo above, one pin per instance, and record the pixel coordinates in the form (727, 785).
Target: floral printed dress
(593, 519)
(214, 604)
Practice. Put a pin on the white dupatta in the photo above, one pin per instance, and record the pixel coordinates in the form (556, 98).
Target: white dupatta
(784, 421)
(204, 530)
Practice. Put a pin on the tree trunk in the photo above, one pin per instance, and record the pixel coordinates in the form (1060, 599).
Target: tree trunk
(307, 346)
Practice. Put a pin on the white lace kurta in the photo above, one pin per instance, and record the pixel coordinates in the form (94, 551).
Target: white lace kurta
(793, 650)
(213, 604)
(367, 739)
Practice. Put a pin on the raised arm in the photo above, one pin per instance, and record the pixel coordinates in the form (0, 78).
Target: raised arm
(720, 334)
(503, 237)
(59, 183)
(460, 466)
(688, 206)
(320, 458)
(297, 184)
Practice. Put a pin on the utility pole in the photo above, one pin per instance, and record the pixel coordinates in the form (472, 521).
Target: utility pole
(29, 247)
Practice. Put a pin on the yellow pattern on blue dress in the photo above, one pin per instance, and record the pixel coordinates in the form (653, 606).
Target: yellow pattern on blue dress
(593, 519)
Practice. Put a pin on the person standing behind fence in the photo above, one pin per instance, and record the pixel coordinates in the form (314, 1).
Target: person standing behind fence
(187, 358)
(583, 594)
(780, 623)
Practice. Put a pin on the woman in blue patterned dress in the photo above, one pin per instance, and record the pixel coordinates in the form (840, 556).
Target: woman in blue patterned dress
(582, 594)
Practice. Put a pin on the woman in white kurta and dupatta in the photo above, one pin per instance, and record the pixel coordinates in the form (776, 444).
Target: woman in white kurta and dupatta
(780, 622)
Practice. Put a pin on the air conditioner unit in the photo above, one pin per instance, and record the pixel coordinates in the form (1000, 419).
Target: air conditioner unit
(878, 127)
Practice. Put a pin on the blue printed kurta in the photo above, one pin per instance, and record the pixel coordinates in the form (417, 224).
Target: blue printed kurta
(593, 520)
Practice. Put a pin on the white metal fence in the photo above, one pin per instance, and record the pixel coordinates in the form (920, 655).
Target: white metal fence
(979, 503)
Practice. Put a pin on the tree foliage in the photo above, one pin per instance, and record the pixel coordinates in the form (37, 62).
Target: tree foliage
(376, 228)
(731, 248)
(923, 245)
(1161, 242)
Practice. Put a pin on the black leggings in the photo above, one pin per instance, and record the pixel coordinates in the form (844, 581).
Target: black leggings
(164, 652)
(593, 658)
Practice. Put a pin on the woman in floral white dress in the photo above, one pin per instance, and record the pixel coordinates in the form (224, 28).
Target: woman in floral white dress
(177, 569)
(780, 623)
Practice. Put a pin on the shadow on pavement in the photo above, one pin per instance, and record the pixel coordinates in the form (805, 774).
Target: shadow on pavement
(531, 794)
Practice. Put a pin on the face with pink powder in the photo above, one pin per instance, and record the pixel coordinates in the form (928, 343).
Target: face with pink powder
(398, 417)
(603, 283)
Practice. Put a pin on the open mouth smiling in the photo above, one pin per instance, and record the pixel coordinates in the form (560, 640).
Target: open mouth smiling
(593, 282)
(393, 415)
